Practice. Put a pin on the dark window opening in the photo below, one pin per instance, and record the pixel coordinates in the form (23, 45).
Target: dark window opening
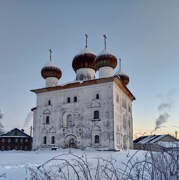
(68, 99)
(49, 102)
(96, 114)
(45, 140)
(75, 99)
(47, 120)
(96, 139)
(53, 140)
(97, 96)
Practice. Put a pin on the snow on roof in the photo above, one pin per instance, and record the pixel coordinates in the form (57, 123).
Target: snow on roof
(15, 133)
(104, 52)
(169, 144)
(150, 139)
(158, 138)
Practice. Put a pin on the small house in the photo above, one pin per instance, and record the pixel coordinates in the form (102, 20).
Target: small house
(155, 142)
(15, 140)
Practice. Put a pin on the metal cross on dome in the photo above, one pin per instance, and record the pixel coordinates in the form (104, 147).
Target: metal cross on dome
(105, 37)
(86, 36)
(50, 52)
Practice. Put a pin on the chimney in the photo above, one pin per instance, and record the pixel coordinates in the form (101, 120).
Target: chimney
(22, 130)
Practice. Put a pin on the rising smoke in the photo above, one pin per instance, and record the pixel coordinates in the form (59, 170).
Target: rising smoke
(1, 115)
(164, 109)
(28, 119)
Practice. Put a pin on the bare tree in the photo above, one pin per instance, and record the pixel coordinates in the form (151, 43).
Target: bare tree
(152, 166)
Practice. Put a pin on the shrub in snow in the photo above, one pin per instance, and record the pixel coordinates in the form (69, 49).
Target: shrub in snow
(153, 165)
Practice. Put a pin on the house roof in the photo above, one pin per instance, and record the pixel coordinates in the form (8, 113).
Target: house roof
(15, 133)
(150, 138)
(88, 83)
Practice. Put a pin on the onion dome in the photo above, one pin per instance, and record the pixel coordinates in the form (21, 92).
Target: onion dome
(105, 59)
(51, 70)
(124, 77)
(85, 59)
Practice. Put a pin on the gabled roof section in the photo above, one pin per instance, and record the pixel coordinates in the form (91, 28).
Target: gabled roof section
(15, 133)
(151, 139)
(88, 83)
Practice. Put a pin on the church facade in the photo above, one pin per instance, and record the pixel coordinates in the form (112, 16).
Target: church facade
(88, 112)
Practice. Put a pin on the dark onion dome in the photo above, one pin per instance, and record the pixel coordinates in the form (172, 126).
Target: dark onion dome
(124, 77)
(85, 59)
(105, 59)
(51, 70)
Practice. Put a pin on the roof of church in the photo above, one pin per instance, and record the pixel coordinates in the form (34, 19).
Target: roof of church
(15, 133)
(75, 84)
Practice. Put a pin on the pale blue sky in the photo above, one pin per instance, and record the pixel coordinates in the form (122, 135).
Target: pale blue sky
(144, 33)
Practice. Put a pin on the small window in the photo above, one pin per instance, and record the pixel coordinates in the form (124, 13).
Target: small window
(16, 140)
(96, 114)
(53, 140)
(45, 140)
(75, 99)
(3, 139)
(9, 140)
(97, 96)
(96, 139)
(47, 120)
(21, 140)
(26, 140)
(68, 99)
(49, 102)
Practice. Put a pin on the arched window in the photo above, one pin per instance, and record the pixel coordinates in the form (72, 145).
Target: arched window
(96, 114)
(96, 139)
(47, 121)
(53, 140)
(97, 96)
(45, 140)
(49, 102)
(69, 121)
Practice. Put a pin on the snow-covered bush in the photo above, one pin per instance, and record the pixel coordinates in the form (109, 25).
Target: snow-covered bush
(151, 166)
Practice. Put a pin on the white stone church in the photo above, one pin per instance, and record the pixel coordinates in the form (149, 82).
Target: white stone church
(87, 112)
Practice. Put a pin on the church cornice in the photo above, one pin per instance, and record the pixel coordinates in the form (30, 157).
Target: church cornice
(88, 83)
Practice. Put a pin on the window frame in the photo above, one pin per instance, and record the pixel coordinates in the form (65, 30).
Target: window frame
(97, 96)
(96, 139)
(45, 140)
(52, 139)
(47, 119)
(68, 100)
(96, 114)
(75, 99)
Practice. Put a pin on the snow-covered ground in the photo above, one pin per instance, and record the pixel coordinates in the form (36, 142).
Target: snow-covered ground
(15, 163)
